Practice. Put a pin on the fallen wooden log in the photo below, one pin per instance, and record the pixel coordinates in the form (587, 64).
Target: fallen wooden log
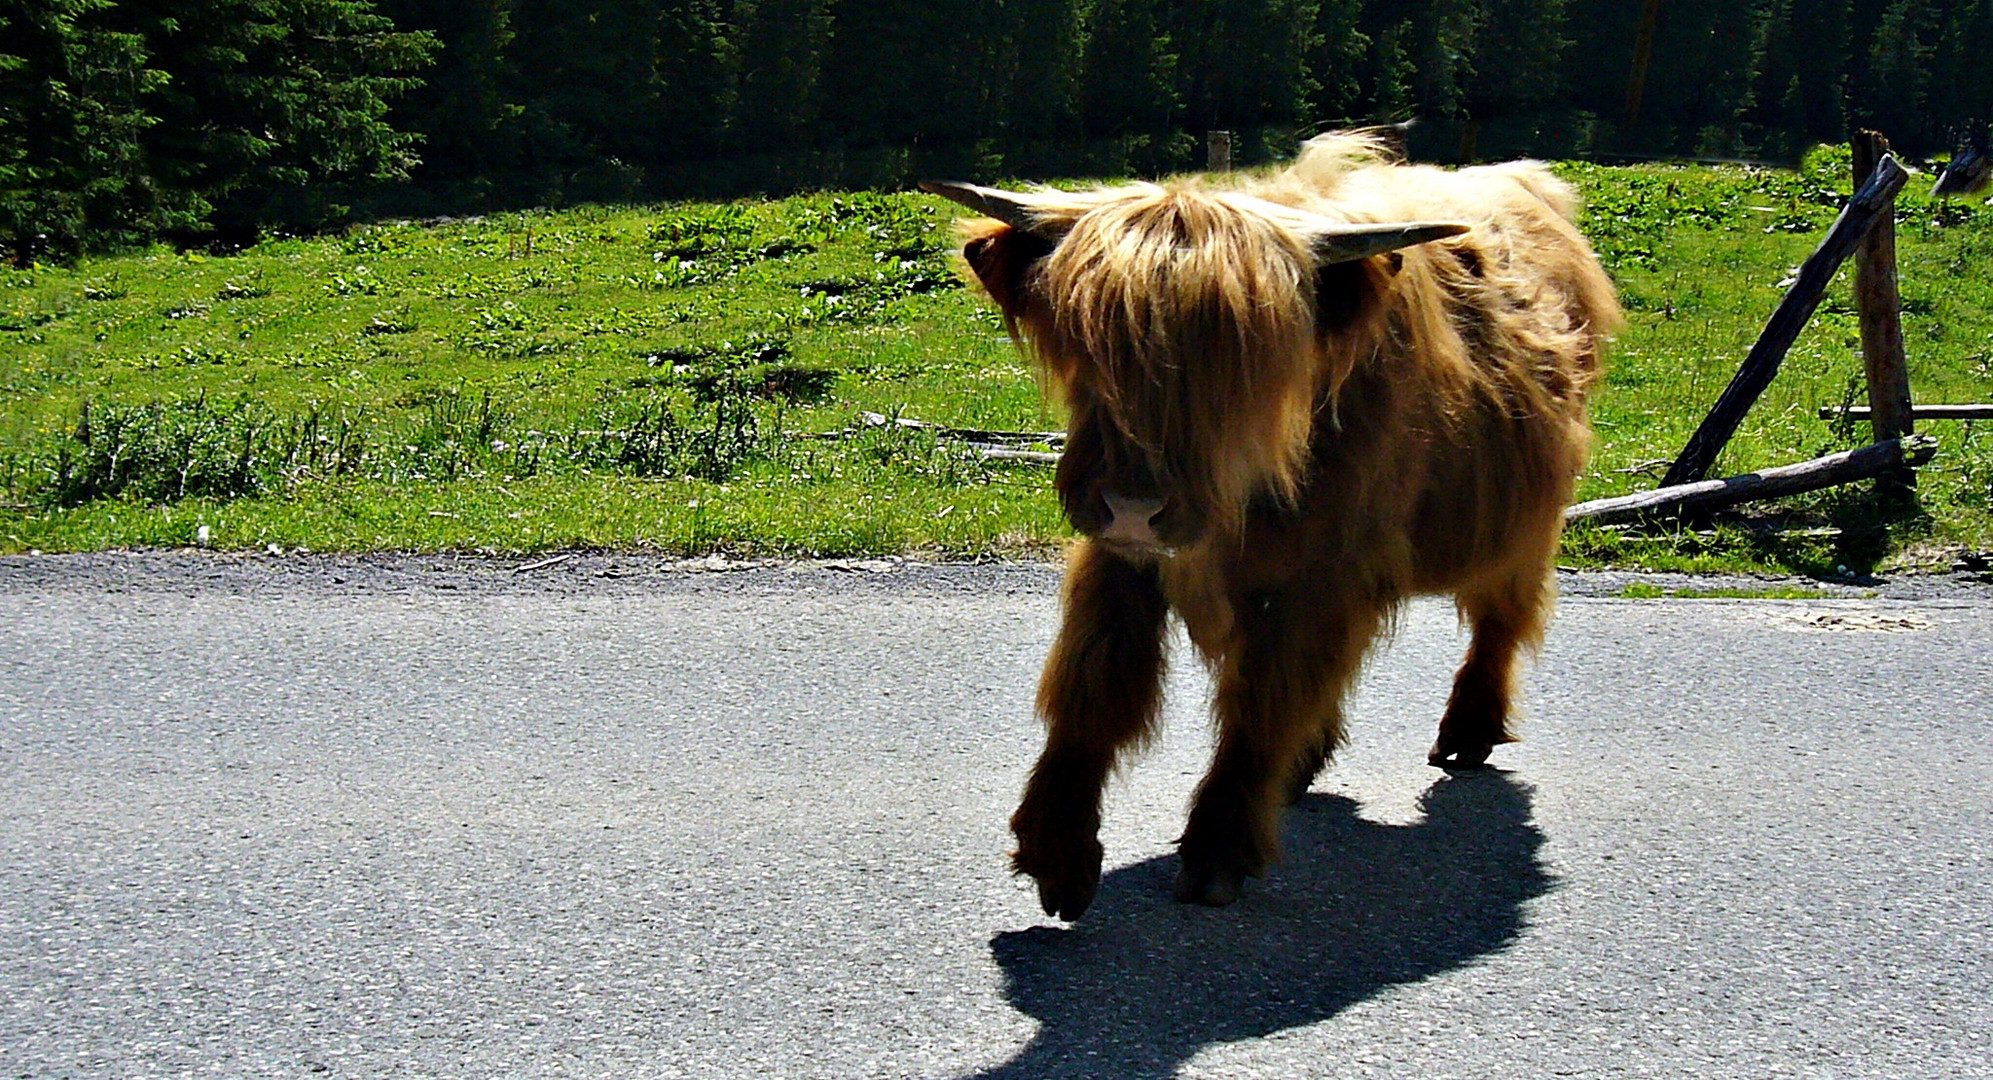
(1842, 468)
(1919, 412)
(1005, 453)
(1005, 438)
(1875, 198)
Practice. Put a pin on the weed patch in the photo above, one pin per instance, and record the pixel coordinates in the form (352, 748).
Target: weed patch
(656, 438)
(762, 366)
(161, 452)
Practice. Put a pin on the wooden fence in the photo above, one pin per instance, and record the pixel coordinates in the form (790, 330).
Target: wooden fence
(1865, 230)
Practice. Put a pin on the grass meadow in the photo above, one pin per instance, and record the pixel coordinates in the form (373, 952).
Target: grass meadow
(689, 378)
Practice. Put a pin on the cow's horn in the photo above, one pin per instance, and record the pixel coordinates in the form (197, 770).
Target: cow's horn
(1339, 242)
(1012, 209)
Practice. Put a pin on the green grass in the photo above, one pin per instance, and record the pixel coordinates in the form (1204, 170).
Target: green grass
(681, 377)
(1702, 256)
(1779, 592)
(606, 377)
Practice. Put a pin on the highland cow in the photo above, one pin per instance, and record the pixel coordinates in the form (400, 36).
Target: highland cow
(1293, 403)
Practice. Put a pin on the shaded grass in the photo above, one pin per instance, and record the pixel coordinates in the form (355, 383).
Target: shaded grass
(674, 377)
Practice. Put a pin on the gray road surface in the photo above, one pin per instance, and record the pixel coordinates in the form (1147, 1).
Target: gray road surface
(311, 817)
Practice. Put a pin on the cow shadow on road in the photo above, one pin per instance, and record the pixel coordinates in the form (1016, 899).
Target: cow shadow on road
(1141, 983)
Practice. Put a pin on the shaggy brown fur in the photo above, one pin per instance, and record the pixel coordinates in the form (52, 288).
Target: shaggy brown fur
(1281, 452)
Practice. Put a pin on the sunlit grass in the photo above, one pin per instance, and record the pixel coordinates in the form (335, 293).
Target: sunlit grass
(1639, 591)
(1702, 256)
(792, 317)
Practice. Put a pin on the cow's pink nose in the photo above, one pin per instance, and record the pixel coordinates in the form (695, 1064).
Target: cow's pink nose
(1130, 521)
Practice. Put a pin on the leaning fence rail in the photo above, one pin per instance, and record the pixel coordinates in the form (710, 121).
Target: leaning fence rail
(1876, 198)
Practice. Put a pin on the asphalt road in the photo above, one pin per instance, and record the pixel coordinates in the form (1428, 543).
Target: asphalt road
(311, 817)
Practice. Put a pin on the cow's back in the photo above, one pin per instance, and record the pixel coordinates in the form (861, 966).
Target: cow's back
(1494, 338)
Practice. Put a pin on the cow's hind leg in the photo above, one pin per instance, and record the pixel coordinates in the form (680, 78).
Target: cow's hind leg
(1314, 758)
(1278, 705)
(1507, 620)
(1317, 752)
(1100, 692)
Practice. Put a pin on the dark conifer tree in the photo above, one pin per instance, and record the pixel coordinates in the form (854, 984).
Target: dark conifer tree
(1603, 34)
(1424, 58)
(777, 96)
(1819, 32)
(914, 72)
(1961, 87)
(1336, 66)
(1698, 82)
(274, 109)
(72, 167)
(122, 117)
(1393, 73)
(466, 109)
(1129, 70)
(588, 79)
(1896, 96)
(1044, 40)
(1774, 119)
(1243, 65)
(1518, 57)
(697, 68)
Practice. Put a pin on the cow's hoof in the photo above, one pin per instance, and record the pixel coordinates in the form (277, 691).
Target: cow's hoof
(1067, 879)
(1210, 886)
(1067, 900)
(1449, 755)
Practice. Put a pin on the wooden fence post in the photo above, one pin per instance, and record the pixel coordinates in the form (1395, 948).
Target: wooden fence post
(1871, 199)
(1891, 415)
(1218, 151)
(1643, 53)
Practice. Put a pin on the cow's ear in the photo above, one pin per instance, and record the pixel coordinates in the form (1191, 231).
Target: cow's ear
(1003, 259)
(1350, 293)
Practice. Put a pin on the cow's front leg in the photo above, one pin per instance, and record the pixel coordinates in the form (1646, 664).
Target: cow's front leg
(1279, 698)
(1100, 692)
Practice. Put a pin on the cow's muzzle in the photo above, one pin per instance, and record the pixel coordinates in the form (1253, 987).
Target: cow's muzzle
(1131, 523)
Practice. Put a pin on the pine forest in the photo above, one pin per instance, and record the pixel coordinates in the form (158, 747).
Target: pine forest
(221, 120)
